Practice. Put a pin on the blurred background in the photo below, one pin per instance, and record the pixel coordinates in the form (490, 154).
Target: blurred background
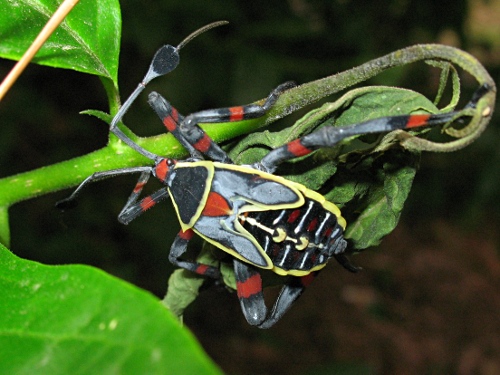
(428, 299)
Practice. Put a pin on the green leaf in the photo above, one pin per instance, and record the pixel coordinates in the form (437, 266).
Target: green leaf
(77, 319)
(446, 67)
(183, 288)
(4, 225)
(88, 40)
(377, 211)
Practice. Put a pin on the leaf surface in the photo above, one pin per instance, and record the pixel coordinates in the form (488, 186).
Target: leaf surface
(88, 40)
(78, 320)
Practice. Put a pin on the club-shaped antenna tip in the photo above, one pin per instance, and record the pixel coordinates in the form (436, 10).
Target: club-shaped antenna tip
(164, 61)
(166, 58)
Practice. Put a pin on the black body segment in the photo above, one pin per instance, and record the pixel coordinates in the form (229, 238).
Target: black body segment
(189, 186)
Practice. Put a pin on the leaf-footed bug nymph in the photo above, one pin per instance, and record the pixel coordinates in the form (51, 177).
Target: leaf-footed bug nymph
(264, 221)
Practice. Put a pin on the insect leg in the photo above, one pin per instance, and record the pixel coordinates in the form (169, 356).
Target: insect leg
(196, 137)
(179, 247)
(131, 210)
(329, 136)
(70, 201)
(171, 119)
(344, 262)
(290, 292)
(251, 296)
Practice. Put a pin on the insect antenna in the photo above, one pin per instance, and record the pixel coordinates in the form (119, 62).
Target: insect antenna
(201, 30)
(164, 61)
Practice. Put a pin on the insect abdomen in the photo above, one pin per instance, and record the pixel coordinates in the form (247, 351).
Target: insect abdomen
(298, 240)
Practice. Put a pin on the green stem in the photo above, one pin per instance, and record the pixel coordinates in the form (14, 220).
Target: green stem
(118, 155)
(112, 93)
(4, 225)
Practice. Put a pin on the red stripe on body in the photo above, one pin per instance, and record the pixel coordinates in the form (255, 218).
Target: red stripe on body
(236, 113)
(216, 205)
(296, 148)
(328, 232)
(417, 120)
(293, 216)
(249, 287)
(312, 225)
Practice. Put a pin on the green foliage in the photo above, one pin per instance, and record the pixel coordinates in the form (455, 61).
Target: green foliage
(75, 44)
(78, 319)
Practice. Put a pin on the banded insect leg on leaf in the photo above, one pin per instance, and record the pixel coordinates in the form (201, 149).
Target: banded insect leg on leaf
(329, 136)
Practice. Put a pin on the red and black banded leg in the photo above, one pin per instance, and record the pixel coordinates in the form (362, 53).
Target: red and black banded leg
(132, 210)
(179, 248)
(329, 136)
(70, 201)
(171, 119)
(290, 292)
(251, 296)
(195, 136)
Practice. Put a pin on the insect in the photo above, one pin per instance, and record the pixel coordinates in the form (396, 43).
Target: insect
(264, 221)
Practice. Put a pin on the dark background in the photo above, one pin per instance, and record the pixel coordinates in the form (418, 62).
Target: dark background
(427, 301)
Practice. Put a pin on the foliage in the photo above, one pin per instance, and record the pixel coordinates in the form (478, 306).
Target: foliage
(77, 319)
